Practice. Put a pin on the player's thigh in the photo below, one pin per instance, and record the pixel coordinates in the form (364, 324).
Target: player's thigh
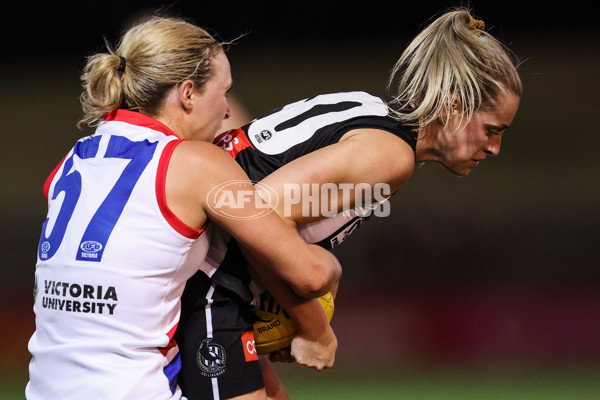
(273, 385)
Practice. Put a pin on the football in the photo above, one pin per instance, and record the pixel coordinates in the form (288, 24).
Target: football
(274, 328)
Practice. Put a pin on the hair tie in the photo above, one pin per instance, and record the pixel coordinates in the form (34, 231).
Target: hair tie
(122, 65)
(477, 25)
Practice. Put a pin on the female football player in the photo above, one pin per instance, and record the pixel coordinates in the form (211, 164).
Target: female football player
(128, 209)
(457, 90)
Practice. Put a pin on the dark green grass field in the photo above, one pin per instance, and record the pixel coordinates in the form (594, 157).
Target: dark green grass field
(567, 384)
(356, 383)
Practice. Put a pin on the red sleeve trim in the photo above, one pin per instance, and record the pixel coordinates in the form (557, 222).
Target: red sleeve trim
(161, 195)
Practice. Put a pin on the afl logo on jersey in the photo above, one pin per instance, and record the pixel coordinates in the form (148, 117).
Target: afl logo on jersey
(266, 134)
(263, 135)
(91, 246)
(45, 247)
(211, 358)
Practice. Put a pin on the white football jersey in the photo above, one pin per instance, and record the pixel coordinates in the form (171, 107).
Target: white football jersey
(268, 143)
(112, 265)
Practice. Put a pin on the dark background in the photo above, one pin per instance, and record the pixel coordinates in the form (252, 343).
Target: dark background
(499, 267)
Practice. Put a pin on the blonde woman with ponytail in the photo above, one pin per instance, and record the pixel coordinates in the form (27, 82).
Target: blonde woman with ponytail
(454, 91)
(128, 223)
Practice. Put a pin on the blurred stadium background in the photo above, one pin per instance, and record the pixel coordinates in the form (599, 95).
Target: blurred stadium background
(483, 287)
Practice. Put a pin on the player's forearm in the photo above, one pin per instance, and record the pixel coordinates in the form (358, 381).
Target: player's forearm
(307, 314)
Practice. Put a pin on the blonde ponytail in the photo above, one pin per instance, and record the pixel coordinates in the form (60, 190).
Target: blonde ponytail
(103, 89)
(452, 65)
(151, 58)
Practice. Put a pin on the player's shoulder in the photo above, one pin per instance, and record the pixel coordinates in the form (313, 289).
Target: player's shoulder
(336, 100)
(199, 159)
(199, 152)
(354, 96)
(385, 152)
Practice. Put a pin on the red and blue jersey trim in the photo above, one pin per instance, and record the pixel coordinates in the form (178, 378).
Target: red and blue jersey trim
(171, 353)
(136, 118)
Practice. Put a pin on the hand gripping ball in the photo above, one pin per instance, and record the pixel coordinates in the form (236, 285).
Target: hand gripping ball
(274, 329)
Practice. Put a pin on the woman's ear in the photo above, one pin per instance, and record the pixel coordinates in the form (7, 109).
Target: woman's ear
(449, 112)
(185, 94)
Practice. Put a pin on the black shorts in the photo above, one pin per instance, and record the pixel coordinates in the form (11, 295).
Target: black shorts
(216, 343)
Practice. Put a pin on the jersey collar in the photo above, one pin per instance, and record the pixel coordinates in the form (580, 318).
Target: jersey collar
(136, 118)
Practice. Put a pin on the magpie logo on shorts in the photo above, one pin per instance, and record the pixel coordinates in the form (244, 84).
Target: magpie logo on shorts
(211, 358)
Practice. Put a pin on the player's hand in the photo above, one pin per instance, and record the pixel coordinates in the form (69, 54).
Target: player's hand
(317, 353)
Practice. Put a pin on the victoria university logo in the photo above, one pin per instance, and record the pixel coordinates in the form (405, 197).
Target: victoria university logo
(211, 358)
